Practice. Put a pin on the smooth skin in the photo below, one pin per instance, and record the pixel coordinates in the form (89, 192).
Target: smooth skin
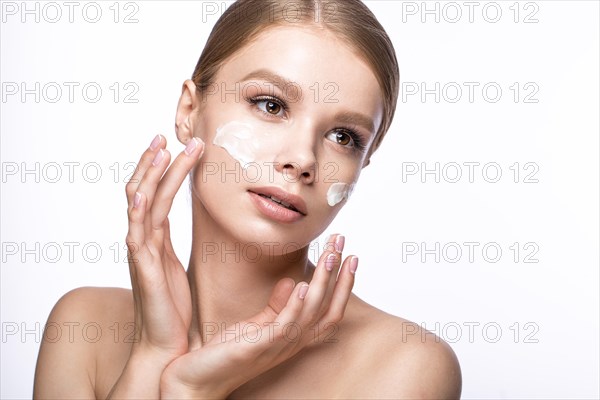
(222, 329)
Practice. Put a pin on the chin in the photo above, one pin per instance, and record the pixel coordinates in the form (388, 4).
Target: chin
(272, 238)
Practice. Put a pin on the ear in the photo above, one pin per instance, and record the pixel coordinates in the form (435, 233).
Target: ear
(366, 162)
(187, 108)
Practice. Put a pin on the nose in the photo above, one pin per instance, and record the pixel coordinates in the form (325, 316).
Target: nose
(297, 160)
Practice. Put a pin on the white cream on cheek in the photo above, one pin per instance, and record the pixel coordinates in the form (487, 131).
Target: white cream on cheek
(246, 145)
(339, 191)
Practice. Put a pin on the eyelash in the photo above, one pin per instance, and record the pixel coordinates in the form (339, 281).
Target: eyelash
(356, 138)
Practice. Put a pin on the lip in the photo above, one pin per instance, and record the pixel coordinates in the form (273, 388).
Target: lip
(275, 211)
(282, 195)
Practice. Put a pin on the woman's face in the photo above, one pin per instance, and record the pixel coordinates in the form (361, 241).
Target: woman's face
(301, 109)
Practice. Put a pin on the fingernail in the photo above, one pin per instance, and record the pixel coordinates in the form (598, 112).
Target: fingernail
(330, 242)
(353, 264)
(158, 157)
(191, 146)
(303, 290)
(330, 262)
(136, 199)
(155, 142)
(339, 243)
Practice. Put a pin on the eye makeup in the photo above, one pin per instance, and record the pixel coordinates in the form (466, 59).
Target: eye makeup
(357, 143)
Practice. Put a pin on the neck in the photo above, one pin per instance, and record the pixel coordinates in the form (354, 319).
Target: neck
(230, 280)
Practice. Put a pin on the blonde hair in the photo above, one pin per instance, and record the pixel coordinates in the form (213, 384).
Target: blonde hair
(350, 20)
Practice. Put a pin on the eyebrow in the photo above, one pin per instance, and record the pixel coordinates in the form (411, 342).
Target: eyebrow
(277, 80)
(348, 117)
(358, 119)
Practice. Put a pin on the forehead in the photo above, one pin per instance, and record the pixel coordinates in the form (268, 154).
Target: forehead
(324, 66)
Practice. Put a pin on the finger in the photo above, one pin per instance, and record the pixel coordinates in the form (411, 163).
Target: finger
(335, 268)
(293, 307)
(323, 280)
(145, 162)
(167, 238)
(169, 251)
(281, 294)
(136, 234)
(277, 332)
(173, 178)
(149, 182)
(341, 293)
(288, 300)
(135, 241)
(266, 344)
(279, 298)
(138, 252)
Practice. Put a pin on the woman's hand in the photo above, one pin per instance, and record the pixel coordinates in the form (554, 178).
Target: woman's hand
(161, 290)
(162, 298)
(296, 316)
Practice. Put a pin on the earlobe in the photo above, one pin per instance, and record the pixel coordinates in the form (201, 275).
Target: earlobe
(367, 162)
(185, 108)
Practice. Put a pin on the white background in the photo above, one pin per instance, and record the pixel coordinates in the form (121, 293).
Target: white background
(534, 325)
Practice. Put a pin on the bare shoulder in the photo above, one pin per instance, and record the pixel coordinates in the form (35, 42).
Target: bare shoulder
(84, 338)
(399, 359)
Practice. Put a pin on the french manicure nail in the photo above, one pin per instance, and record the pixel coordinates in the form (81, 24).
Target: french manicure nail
(303, 290)
(136, 199)
(155, 142)
(353, 264)
(158, 157)
(339, 243)
(330, 262)
(191, 146)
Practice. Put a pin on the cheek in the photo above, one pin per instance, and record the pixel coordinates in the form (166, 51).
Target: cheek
(249, 143)
(338, 192)
(344, 178)
(246, 143)
(238, 152)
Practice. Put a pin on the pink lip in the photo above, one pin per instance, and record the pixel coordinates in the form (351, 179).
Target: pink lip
(282, 195)
(276, 211)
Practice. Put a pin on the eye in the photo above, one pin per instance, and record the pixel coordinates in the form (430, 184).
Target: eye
(269, 105)
(342, 138)
(346, 138)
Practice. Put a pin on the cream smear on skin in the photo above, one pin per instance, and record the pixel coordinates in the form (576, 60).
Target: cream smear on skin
(242, 143)
(338, 192)
(246, 146)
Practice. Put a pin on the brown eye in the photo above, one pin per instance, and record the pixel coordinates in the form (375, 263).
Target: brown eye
(272, 107)
(269, 106)
(346, 138)
(342, 138)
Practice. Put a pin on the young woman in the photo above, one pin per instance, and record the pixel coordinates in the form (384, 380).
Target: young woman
(263, 322)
